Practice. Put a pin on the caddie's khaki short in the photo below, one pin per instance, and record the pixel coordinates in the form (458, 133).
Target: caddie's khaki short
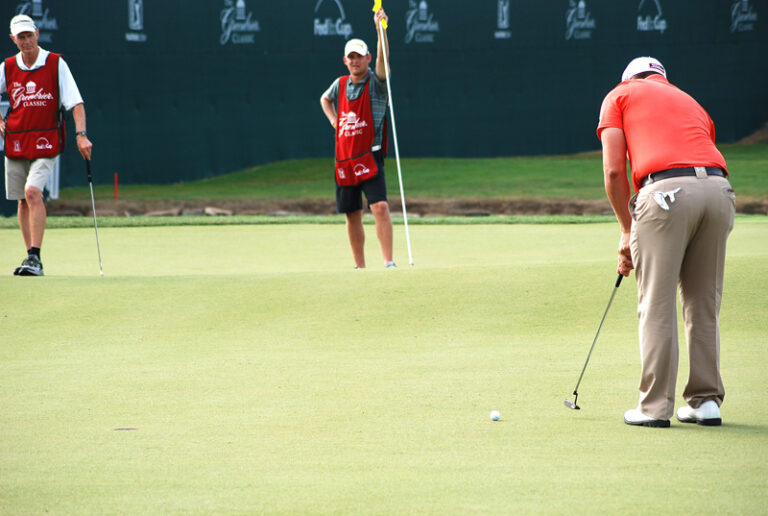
(20, 173)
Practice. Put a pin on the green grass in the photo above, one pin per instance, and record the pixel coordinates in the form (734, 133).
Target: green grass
(570, 176)
(256, 372)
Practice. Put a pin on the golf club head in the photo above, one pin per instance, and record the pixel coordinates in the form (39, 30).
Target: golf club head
(571, 405)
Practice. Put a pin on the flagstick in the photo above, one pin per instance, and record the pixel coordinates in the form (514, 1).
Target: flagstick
(394, 136)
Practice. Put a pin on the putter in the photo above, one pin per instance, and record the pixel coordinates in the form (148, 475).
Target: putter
(93, 206)
(572, 404)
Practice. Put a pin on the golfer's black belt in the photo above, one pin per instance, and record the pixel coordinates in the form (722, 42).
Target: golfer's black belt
(679, 172)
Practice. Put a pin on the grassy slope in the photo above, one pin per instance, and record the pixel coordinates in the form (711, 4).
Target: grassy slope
(575, 176)
(259, 385)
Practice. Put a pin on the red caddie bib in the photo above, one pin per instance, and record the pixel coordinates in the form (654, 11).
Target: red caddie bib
(34, 126)
(354, 137)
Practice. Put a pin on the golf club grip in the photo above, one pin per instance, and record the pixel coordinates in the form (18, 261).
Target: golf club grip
(88, 169)
(618, 280)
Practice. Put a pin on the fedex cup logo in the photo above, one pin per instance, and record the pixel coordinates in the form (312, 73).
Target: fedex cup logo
(330, 26)
(341, 173)
(43, 144)
(649, 17)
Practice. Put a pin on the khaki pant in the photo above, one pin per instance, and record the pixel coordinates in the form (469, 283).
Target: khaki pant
(683, 245)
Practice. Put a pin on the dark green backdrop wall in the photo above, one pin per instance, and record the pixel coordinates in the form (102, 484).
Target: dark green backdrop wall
(180, 90)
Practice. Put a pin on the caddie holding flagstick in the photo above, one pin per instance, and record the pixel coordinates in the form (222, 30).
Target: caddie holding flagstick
(356, 107)
(39, 86)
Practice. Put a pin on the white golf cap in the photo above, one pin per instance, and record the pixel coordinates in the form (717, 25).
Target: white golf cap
(22, 23)
(355, 45)
(643, 64)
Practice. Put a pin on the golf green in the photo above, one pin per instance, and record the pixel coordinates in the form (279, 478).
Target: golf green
(250, 369)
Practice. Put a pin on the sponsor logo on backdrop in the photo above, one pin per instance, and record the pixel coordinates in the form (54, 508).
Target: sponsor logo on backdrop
(502, 20)
(421, 25)
(350, 124)
(136, 22)
(44, 20)
(237, 23)
(743, 16)
(330, 26)
(27, 95)
(649, 17)
(579, 23)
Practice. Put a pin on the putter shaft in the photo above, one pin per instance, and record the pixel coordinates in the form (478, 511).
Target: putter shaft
(589, 355)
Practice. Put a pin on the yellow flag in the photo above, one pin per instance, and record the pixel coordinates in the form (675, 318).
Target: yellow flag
(376, 7)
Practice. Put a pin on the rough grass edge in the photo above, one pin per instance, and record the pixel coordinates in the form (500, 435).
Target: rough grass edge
(261, 220)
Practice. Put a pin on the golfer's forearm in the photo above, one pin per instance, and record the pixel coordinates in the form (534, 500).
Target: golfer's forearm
(617, 188)
(78, 113)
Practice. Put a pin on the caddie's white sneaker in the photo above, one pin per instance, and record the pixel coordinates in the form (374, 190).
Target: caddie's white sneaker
(637, 418)
(708, 414)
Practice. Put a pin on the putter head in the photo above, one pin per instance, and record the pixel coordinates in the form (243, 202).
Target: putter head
(572, 405)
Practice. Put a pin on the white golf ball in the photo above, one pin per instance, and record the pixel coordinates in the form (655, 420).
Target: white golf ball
(495, 415)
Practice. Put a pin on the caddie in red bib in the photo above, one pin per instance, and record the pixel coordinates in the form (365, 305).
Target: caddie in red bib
(354, 137)
(356, 106)
(34, 126)
(40, 88)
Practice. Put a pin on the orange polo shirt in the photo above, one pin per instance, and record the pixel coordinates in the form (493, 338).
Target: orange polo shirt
(664, 127)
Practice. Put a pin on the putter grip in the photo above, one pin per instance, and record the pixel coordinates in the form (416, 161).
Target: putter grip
(88, 169)
(618, 280)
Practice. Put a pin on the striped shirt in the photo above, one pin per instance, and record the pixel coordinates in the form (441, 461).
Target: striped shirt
(378, 94)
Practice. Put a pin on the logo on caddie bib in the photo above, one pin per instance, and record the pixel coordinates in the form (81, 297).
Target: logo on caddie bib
(361, 169)
(43, 144)
(350, 124)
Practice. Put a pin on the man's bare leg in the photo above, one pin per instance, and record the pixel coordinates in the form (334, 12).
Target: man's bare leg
(356, 235)
(383, 220)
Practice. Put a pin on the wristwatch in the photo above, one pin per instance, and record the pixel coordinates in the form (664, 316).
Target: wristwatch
(78, 133)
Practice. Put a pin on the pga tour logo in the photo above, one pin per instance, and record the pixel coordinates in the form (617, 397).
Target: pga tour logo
(334, 23)
(743, 16)
(237, 24)
(421, 25)
(136, 21)
(42, 16)
(579, 23)
(649, 17)
(502, 20)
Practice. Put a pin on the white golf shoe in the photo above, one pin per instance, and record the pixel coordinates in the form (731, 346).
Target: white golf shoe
(637, 418)
(708, 414)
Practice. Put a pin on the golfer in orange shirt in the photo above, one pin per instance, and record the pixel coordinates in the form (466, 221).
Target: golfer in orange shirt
(673, 232)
